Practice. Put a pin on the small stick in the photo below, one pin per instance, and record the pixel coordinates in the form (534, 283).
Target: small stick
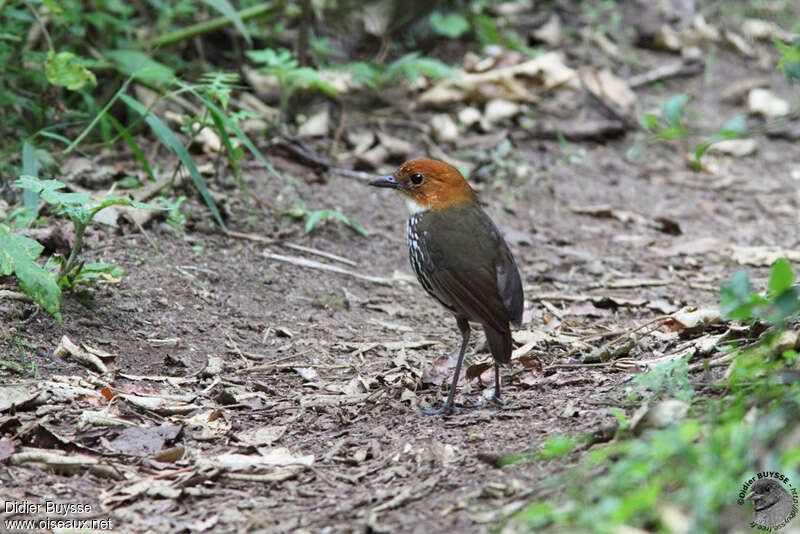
(347, 173)
(338, 135)
(322, 253)
(311, 264)
(251, 237)
(236, 348)
(679, 68)
(146, 235)
(272, 367)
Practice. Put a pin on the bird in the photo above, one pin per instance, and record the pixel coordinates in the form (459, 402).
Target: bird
(460, 259)
(772, 504)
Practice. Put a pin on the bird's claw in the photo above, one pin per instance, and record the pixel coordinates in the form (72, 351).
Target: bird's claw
(447, 408)
(494, 399)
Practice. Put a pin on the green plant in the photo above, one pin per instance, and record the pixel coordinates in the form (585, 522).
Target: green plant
(17, 256)
(314, 218)
(777, 306)
(26, 365)
(451, 25)
(693, 469)
(790, 57)
(175, 218)
(18, 253)
(318, 216)
(732, 129)
(669, 379)
(670, 125)
(290, 76)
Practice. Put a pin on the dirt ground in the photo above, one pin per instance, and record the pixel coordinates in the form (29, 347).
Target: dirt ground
(346, 364)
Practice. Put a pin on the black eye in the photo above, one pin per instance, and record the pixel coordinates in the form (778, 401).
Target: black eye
(416, 178)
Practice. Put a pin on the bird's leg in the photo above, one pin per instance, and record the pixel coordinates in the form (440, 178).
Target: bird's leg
(496, 397)
(463, 326)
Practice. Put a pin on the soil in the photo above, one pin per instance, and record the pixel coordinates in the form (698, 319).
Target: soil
(332, 389)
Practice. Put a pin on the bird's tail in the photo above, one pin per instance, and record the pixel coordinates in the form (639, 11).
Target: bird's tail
(500, 344)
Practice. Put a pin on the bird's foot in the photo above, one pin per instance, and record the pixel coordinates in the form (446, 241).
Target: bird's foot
(447, 408)
(497, 400)
(494, 399)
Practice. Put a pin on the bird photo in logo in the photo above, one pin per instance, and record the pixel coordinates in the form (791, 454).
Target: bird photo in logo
(772, 503)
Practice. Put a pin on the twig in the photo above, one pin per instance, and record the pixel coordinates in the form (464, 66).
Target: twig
(629, 284)
(358, 175)
(210, 25)
(273, 362)
(262, 202)
(322, 253)
(338, 135)
(251, 237)
(303, 153)
(236, 348)
(146, 235)
(14, 295)
(311, 264)
(273, 367)
(686, 67)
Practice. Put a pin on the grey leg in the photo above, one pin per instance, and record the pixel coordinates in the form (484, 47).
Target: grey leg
(463, 326)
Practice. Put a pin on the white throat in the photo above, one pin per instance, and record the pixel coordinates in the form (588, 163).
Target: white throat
(414, 208)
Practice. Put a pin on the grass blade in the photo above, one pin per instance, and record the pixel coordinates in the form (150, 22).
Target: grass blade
(126, 135)
(239, 133)
(30, 199)
(172, 142)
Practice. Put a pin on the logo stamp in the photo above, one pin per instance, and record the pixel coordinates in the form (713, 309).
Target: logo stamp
(775, 500)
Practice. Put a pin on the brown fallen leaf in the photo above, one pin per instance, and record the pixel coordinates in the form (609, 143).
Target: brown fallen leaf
(6, 448)
(440, 371)
(587, 309)
(476, 370)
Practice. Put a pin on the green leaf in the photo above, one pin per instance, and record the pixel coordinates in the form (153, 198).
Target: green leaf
(219, 122)
(98, 270)
(364, 73)
(16, 255)
(673, 109)
(452, 25)
(411, 66)
(735, 300)
(357, 228)
(134, 146)
(225, 7)
(49, 191)
(139, 65)
(30, 198)
(701, 149)
(781, 277)
(273, 60)
(308, 78)
(555, 447)
(648, 121)
(790, 61)
(736, 125)
(314, 218)
(785, 305)
(64, 69)
(220, 115)
(171, 141)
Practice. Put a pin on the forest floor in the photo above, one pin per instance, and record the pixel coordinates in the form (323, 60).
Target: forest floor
(293, 393)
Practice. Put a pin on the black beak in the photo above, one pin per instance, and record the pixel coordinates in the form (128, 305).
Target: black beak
(386, 181)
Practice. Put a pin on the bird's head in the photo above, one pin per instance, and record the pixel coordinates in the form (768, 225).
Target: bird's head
(765, 493)
(428, 184)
